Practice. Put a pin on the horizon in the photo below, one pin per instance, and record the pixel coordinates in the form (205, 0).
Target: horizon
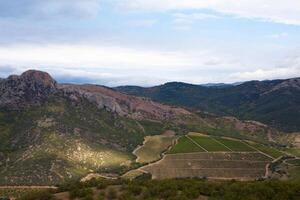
(174, 81)
(150, 42)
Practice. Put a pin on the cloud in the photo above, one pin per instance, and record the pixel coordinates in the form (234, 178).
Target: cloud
(49, 8)
(183, 18)
(142, 22)
(278, 35)
(286, 12)
(110, 65)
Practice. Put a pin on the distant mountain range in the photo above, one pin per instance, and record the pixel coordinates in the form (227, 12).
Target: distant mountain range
(50, 132)
(221, 84)
(275, 102)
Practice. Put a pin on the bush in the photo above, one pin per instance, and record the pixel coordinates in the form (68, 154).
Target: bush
(112, 193)
(81, 193)
(38, 195)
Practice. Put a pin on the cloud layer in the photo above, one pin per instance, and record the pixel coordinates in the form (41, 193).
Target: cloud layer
(287, 12)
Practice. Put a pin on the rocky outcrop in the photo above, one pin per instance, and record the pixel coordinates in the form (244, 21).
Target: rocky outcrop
(31, 88)
(122, 104)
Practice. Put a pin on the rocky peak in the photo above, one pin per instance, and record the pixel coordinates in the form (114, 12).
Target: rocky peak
(30, 88)
(42, 78)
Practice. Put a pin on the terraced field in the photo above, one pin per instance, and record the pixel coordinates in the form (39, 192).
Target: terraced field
(197, 155)
(219, 165)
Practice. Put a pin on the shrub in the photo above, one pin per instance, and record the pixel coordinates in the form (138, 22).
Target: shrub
(111, 194)
(81, 193)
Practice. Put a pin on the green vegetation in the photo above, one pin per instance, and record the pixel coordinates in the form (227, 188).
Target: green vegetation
(267, 150)
(252, 100)
(209, 143)
(81, 193)
(37, 195)
(294, 162)
(294, 173)
(293, 151)
(235, 145)
(153, 147)
(185, 145)
(192, 189)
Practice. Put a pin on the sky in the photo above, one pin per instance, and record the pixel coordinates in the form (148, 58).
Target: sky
(150, 42)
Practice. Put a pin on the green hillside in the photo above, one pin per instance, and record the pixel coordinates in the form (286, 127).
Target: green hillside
(276, 103)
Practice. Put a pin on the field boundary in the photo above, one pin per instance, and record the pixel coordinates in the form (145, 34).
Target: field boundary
(222, 144)
(256, 149)
(196, 143)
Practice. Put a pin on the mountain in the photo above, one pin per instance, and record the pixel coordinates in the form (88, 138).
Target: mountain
(276, 102)
(50, 132)
(220, 85)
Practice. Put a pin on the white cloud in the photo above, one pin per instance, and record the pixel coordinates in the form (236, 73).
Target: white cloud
(92, 56)
(264, 74)
(115, 65)
(278, 35)
(142, 22)
(183, 18)
(286, 12)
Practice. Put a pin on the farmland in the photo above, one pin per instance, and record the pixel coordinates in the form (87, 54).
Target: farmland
(198, 155)
(235, 145)
(185, 145)
(274, 153)
(153, 147)
(242, 166)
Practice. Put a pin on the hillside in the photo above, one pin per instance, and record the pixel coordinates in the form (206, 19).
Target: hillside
(276, 102)
(52, 132)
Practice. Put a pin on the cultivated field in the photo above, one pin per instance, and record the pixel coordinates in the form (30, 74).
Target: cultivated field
(198, 155)
(274, 153)
(185, 145)
(242, 166)
(153, 147)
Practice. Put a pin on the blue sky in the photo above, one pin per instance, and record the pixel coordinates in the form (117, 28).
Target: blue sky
(149, 42)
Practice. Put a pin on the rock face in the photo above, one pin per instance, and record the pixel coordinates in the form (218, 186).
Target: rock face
(31, 88)
(122, 104)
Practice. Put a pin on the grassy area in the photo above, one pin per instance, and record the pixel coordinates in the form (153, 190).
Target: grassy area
(294, 173)
(209, 143)
(153, 147)
(17, 193)
(132, 174)
(294, 162)
(293, 151)
(185, 145)
(235, 145)
(267, 150)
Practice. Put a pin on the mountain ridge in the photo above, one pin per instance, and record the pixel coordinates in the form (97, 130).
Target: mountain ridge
(262, 101)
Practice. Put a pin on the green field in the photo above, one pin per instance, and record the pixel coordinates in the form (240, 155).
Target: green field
(235, 145)
(267, 150)
(185, 145)
(209, 143)
(294, 151)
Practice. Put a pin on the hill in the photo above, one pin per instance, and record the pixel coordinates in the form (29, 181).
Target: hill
(276, 102)
(50, 132)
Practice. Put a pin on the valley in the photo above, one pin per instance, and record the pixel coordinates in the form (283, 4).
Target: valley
(58, 134)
